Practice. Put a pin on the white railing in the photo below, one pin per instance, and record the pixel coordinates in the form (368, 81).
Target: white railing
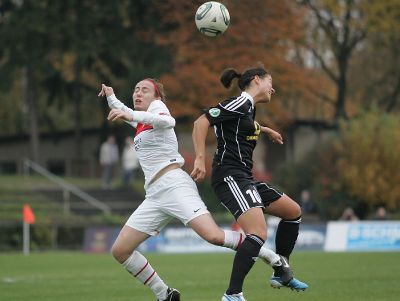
(66, 187)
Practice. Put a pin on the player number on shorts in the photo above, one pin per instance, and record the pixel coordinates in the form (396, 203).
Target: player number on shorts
(254, 195)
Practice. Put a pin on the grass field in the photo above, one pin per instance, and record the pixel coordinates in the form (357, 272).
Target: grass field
(199, 277)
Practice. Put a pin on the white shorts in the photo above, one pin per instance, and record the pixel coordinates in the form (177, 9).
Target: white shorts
(174, 195)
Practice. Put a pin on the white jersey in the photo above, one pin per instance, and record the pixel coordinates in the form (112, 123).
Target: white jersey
(155, 140)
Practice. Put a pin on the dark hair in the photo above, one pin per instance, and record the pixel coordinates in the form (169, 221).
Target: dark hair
(244, 79)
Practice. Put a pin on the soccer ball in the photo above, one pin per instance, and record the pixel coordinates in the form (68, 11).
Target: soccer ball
(212, 18)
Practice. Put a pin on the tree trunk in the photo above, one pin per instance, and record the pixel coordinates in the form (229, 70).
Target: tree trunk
(28, 82)
(341, 85)
(77, 95)
(78, 120)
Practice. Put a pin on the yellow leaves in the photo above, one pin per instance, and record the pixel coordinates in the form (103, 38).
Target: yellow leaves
(65, 65)
(334, 6)
(369, 158)
(383, 16)
(66, 62)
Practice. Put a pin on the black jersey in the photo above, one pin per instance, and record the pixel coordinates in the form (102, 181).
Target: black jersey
(237, 134)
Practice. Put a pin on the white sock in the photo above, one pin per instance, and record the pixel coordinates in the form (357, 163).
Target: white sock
(269, 256)
(141, 269)
(233, 239)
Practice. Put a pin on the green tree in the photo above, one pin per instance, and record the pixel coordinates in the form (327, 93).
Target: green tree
(108, 35)
(368, 159)
(73, 47)
(357, 167)
(23, 41)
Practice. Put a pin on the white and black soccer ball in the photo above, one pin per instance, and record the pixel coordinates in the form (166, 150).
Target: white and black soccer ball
(212, 18)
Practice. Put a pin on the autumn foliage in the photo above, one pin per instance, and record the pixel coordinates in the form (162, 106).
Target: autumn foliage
(261, 32)
(368, 158)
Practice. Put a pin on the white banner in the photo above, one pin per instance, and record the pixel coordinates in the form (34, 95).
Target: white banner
(363, 236)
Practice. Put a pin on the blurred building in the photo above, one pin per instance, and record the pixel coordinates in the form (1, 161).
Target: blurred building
(57, 151)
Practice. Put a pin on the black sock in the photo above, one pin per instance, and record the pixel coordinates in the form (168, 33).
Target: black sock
(286, 236)
(243, 262)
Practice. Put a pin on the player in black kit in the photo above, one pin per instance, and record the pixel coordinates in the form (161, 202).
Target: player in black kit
(237, 134)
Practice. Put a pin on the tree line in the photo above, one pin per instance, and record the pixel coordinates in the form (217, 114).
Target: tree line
(330, 60)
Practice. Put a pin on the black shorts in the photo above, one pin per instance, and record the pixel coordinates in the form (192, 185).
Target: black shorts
(239, 193)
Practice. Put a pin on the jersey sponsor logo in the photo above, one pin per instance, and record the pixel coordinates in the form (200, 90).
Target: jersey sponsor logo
(256, 132)
(137, 143)
(251, 138)
(214, 112)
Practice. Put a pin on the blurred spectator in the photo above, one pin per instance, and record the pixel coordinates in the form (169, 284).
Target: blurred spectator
(348, 215)
(130, 162)
(108, 159)
(381, 213)
(306, 203)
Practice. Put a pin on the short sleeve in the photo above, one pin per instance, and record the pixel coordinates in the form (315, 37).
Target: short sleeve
(218, 114)
(228, 110)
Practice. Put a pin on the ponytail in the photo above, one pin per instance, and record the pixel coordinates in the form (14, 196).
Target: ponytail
(228, 75)
(244, 79)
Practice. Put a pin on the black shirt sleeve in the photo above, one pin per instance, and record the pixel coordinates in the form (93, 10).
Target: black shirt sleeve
(223, 112)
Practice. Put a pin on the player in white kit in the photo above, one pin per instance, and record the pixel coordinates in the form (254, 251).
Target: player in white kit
(170, 191)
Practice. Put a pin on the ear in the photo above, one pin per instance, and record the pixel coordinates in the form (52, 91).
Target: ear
(257, 79)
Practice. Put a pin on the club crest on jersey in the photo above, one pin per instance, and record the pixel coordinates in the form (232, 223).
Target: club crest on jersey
(214, 112)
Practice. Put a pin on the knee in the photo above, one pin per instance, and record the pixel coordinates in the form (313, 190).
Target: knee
(262, 233)
(120, 253)
(293, 213)
(297, 211)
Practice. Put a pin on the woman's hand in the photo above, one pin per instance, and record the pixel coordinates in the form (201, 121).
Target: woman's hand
(274, 136)
(119, 114)
(199, 170)
(105, 91)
